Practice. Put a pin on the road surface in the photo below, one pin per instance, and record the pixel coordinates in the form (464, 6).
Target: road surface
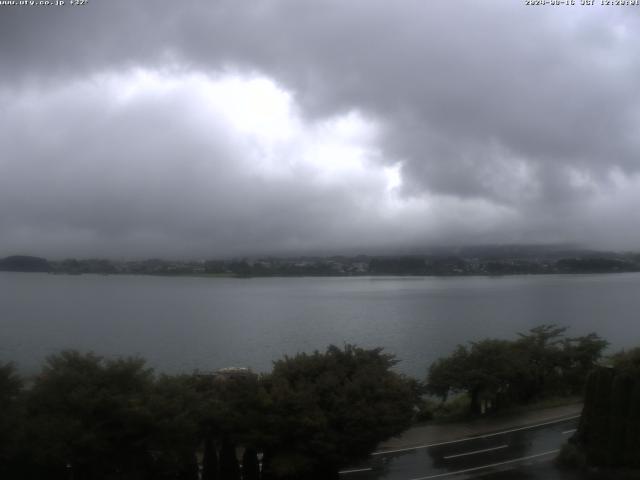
(491, 455)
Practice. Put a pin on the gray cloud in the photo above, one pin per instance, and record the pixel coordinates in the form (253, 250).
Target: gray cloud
(509, 124)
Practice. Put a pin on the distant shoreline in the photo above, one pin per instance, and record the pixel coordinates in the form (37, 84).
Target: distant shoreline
(458, 264)
(364, 275)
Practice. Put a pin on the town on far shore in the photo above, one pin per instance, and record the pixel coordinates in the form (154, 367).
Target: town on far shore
(485, 260)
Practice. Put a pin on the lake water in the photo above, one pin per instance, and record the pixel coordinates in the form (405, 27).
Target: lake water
(180, 324)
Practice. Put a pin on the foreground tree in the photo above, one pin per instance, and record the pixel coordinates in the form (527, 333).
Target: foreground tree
(11, 421)
(609, 430)
(497, 373)
(331, 408)
(580, 355)
(89, 417)
(175, 407)
(487, 371)
(541, 348)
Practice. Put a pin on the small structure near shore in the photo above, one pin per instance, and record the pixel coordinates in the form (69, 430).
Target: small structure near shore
(228, 373)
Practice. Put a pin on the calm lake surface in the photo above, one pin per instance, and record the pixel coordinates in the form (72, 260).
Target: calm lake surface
(182, 324)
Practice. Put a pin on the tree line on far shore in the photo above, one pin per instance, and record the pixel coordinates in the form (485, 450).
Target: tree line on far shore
(471, 263)
(84, 417)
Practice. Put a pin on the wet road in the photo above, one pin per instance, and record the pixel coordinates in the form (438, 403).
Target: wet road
(487, 455)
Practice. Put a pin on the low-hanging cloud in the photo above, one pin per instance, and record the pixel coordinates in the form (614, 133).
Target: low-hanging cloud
(281, 126)
(173, 163)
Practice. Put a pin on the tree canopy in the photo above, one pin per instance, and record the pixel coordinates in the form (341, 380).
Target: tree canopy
(495, 373)
(609, 430)
(335, 406)
(96, 419)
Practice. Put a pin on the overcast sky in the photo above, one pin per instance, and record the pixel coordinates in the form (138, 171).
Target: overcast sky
(231, 127)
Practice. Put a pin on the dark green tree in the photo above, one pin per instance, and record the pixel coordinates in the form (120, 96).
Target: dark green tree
(593, 432)
(89, 415)
(495, 373)
(609, 430)
(12, 420)
(176, 409)
(331, 408)
(632, 436)
(541, 347)
(580, 356)
(447, 375)
(627, 360)
(487, 372)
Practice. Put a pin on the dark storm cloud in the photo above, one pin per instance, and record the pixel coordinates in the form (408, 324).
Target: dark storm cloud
(511, 123)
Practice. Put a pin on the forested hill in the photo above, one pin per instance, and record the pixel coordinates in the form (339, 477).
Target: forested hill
(24, 263)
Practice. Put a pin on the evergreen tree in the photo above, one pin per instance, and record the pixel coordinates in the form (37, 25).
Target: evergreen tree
(12, 421)
(621, 391)
(632, 437)
(609, 430)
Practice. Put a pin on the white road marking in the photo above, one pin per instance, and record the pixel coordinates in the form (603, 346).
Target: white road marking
(476, 451)
(355, 470)
(465, 439)
(567, 432)
(475, 469)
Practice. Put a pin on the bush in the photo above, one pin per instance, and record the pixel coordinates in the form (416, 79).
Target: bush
(424, 411)
(455, 408)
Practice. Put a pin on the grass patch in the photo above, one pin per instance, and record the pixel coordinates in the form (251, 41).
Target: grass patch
(550, 402)
(454, 409)
(457, 408)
